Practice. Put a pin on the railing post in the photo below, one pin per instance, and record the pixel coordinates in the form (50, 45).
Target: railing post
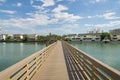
(92, 68)
(28, 71)
(93, 72)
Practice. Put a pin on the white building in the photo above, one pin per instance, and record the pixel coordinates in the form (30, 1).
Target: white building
(32, 37)
(85, 37)
(73, 37)
(2, 37)
(90, 37)
(18, 37)
(115, 34)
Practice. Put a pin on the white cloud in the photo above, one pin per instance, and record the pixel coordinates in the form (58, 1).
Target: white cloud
(72, 0)
(19, 4)
(47, 3)
(69, 28)
(67, 17)
(35, 20)
(40, 20)
(64, 16)
(110, 15)
(31, 2)
(89, 25)
(38, 7)
(59, 0)
(104, 25)
(59, 9)
(97, 1)
(63, 29)
(8, 11)
(89, 17)
(110, 24)
(2, 0)
(107, 15)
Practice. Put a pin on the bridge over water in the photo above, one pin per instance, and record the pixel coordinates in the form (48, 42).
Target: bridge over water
(60, 61)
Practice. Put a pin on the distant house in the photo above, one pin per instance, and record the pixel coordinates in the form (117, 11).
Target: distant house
(32, 37)
(10, 37)
(2, 37)
(90, 37)
(115, 34)
(84, 37)
(18, 37)
(72, 37)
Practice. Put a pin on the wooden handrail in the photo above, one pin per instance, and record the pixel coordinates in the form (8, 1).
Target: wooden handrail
(26, 69)
(91, 68)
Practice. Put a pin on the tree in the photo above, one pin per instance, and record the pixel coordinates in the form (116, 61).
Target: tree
(105, 35)
(8, 38)
(41, 38)
(25, 38)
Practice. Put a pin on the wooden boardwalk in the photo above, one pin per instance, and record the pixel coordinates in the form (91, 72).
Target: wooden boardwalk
(67, 63)
(54, 67)
(60, 61)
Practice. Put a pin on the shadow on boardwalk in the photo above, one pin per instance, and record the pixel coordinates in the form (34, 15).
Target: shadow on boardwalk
(74, 72)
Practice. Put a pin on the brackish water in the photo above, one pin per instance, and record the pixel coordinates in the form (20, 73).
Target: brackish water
(11, 53)
(109, 53)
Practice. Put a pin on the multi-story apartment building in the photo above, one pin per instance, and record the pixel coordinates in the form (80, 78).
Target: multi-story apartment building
(84, 37)
(2, 37)
(32, 37)
(115, 34)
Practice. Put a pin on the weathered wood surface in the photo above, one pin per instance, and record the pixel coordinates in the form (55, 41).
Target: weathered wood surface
(54, 67)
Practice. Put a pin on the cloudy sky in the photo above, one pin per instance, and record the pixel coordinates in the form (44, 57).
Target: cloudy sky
(58, 16)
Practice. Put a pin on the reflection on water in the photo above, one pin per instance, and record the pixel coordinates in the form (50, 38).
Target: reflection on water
(108, 53)
(10, 53)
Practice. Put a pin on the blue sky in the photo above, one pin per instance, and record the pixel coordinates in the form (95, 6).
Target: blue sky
(58, 16)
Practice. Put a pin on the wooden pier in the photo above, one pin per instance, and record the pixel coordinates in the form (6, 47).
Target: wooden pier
(60, 61)
(54, 68)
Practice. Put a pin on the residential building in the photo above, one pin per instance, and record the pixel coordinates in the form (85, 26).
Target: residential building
(72, 37)
(2, 37)
(18, 37)
(115, 34)
(32, 37)
(84, 37)
(9, 37)
(90, 36)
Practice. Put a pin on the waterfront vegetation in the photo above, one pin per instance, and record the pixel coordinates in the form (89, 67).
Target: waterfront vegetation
(43, 38)
(38, 38)
(105, 35)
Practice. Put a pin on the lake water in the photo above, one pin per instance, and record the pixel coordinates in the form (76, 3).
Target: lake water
(108, 53)
(11, 53)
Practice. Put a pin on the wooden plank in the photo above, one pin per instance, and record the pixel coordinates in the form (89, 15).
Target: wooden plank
(54, 67)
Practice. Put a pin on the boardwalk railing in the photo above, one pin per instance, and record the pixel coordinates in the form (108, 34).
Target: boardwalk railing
(26, 69)
(89, 67)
